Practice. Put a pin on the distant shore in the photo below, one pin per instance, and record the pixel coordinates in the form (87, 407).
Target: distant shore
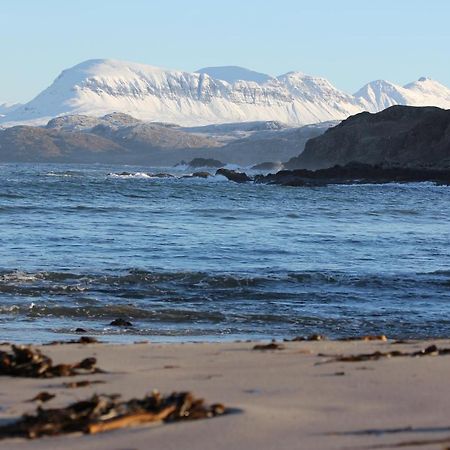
(287, 395)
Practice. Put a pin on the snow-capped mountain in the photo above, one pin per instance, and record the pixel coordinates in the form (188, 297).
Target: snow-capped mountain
(380, 94)
(99, 87)
(231, 74)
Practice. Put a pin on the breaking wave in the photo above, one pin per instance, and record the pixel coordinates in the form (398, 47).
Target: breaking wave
(236, 304)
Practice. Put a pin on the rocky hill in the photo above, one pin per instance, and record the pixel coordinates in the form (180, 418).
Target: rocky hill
(398, 136)
(34, 144)
(123, 139)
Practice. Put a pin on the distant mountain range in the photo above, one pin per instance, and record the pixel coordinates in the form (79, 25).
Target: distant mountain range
(211, 96)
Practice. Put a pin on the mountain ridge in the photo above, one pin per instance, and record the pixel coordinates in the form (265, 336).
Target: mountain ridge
(102, 86)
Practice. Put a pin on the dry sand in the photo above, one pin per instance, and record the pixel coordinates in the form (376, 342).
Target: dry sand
(286, 400)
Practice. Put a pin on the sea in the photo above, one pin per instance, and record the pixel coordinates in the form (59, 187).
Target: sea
(189, 259)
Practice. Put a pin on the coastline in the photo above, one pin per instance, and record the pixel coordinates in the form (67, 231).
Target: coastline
(294, 397)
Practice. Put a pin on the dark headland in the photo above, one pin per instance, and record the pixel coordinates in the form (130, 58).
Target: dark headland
(399, 136)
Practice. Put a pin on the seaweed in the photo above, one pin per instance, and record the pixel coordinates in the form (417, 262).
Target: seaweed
(24, 361)
(272, 346)
(82, 383)
(102, 413)
(431, 350)
(311, 338)
(81, 340)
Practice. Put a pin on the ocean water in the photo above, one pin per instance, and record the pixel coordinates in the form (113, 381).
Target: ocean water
(194, 259)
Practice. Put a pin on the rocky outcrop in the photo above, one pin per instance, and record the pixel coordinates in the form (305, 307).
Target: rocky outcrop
(400, 136)
(198, 175)
(205, 162)
(355, 173)
(233, 175)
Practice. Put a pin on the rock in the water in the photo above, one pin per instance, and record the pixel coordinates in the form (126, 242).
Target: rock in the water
(121, 174)
(205, 162)
(201, 174)
(198, 175)
(161, 175)
(121, 323)
(233, 175)
(355, 173)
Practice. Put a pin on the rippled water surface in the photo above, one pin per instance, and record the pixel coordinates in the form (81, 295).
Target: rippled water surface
(210, 259)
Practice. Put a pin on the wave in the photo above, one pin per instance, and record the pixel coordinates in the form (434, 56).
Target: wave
(137, 175)
(190, 303)
(65, 173)
(136, 281)
(186, 177)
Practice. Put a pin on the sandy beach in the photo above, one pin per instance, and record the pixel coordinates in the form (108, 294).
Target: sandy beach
(297, 397)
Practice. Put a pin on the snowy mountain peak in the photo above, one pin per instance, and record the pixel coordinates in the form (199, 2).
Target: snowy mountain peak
(214, 95)
(380, 94)
(232, 74)
(428, 86)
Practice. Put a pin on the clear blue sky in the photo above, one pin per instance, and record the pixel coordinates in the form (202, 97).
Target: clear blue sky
(350, 42)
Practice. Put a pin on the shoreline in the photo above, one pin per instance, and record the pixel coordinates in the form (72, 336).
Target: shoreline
(124, 338)
(297, 396)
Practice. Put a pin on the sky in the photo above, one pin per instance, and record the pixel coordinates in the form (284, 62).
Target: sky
(349, 42)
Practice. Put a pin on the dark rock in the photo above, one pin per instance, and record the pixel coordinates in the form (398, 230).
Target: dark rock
(355, 173)
(80, 330)
(161, 175)
(198, 175)
(205, 162)
(201, 174)
(121, 323)
(233, 175)
(42, 397)
(399, 136)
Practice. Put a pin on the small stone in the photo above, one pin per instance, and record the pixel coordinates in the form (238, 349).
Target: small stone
(43, 397)
(121, 323)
